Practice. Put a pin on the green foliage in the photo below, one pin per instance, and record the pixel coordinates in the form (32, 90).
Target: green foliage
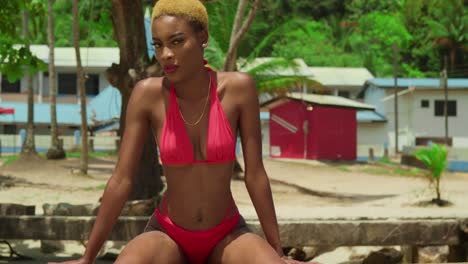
(434, 158)
(313, 42)
(359, 8)
(14, 56)
(77, 154)
(374, 37)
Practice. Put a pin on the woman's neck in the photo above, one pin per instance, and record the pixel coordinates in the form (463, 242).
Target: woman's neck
(195, 87)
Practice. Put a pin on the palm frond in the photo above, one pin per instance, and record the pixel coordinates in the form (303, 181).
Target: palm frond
(215, 54)
(270, 66)
(434, 158)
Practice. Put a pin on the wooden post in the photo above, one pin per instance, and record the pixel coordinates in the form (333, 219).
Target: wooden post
(371, 154)
(395, 75)
(117, 145)
(444, 84)
(410, 254)
(91, 144)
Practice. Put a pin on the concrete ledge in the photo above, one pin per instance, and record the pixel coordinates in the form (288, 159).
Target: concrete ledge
(293, 233)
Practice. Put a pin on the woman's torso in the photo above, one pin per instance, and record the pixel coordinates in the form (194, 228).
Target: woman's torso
(198, 195)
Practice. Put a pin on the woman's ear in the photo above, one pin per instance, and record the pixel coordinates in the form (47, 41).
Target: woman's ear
(203, 38)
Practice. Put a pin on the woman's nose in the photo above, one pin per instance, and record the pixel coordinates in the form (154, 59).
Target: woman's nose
(167, 53)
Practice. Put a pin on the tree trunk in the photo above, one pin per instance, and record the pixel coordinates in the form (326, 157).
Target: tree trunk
(238, 32)
(56, 149)
(129, 32)
(29, 147)
(81, 86)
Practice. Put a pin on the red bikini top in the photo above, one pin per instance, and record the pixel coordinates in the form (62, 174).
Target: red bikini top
(175, 146)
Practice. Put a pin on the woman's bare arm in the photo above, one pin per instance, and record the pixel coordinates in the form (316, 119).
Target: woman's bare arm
(120, 184)
(256, 179)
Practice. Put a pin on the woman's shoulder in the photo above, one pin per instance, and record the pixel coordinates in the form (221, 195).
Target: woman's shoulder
(147, 92)
(149, 87)
(237, 81)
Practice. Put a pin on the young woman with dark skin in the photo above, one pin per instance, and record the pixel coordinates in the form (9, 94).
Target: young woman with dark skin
(198, 195)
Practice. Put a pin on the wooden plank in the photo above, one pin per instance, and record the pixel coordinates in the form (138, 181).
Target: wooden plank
(293, 233)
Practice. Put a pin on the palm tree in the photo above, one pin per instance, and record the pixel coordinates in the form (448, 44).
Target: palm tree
(56, 149)
(435, 159)
(29, 147)
(448, 28)
(128, 25)
(81, 85)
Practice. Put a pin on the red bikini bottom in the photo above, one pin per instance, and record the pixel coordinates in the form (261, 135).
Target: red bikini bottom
(198, 244)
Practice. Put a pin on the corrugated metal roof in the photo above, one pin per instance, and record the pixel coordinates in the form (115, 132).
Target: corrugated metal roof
(369, 116)
(301, 70)
(330, 100)
(90, 56)
(459, 83)
(341, 76)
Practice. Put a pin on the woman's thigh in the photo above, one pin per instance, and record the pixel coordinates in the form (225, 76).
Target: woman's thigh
(153, 247)
(243, 247)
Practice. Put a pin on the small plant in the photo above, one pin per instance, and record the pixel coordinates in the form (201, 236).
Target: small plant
(435, 159)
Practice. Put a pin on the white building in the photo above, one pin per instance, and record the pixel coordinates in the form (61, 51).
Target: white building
(95, 61)
(342, 81)
(420, 111)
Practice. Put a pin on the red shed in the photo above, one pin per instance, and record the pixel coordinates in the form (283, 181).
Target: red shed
(313, 126)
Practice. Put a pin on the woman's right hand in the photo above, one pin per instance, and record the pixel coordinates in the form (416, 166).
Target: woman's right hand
(76, 261)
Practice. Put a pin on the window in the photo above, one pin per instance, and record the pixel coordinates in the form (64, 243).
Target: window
(451, 108)
(67, 84)
(424, 103)
(8, 87)
(9, 130)
(344, 94)
(92, 84)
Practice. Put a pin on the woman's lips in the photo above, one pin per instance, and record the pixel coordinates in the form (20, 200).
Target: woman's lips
(168, 69)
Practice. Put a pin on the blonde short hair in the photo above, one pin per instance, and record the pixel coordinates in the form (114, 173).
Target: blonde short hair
(193, 10)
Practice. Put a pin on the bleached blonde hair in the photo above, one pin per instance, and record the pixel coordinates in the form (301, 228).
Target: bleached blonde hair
(193, 10)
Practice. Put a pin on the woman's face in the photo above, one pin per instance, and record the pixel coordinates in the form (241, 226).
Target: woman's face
(179, 49)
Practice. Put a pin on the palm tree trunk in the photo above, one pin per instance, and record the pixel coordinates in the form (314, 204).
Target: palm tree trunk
(29, 147)
(81, 86)
(129, 30)
(238, 32)
(56, 149)
(239, 29)
(438, 189)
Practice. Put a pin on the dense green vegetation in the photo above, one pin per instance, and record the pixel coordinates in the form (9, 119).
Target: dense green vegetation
(324, 33)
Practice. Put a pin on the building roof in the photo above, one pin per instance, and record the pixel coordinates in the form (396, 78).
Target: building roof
(324, 100)
(362, 116)
(301, 70)
(369, 116)
(431, 83)
(90, 56)
(330, 100)
(341, 76)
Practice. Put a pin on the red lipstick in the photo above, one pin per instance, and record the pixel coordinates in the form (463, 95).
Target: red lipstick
(170, 68)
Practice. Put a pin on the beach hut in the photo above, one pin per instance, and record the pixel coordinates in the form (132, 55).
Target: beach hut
(311, 126)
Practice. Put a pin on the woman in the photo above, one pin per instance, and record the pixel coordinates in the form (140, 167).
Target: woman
(195, 114)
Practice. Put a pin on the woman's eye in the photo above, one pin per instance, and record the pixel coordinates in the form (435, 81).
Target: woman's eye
(156, 45)
(177, 41)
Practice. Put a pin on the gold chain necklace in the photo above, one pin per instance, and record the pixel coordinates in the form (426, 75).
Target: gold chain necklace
(203, 111)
